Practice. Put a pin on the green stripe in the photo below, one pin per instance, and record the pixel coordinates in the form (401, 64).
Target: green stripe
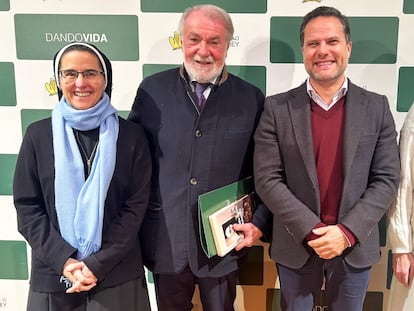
(7, 165)
(231, 6)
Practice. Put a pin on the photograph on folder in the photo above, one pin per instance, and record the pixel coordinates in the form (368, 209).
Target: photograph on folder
(226, 207)
(222, 221)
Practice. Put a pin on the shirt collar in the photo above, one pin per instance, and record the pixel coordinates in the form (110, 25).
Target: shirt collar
(318, 100)
(207, 91)
(213, 81)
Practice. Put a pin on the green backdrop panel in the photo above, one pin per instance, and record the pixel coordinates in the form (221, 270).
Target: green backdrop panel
(408, 7)
(373, 301)
(123, 113)
(231, 6)
(405, 95)
(256, 75)
(284, 40)
(150, 277)
(374, 40)
(251, 273)
(4, 5)
(39, 36)
(7, 84)
(13, 260)
(7, 165)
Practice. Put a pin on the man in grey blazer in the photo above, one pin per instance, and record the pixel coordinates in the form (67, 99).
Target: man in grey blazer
(326, 164)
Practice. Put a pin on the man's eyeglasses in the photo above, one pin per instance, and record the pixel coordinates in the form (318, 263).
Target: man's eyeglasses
(72, 75)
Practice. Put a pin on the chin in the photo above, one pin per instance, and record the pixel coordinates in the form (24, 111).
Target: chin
(203, 73)
(82, 106)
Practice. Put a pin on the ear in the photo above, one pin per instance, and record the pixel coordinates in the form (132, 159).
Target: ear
(349, 48)
(227, 49)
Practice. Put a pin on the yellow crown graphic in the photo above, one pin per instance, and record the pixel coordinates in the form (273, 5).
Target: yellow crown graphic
(175, 41)
(51, 87)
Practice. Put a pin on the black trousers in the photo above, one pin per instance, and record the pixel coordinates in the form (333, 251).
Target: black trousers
(131, 296)
(175, 291)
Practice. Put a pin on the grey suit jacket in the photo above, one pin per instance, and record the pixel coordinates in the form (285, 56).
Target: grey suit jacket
(286, 178)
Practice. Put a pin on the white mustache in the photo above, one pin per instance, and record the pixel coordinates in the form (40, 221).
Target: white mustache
(208, 59)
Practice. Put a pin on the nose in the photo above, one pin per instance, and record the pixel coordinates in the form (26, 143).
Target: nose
(80, 80)
(203, 50)
(322, 48)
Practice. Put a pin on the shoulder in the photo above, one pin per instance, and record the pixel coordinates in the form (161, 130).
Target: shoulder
(38, 139)
(377, 104)
(355, 89)
(40, 123)
(155, 84)
(283, 97)
(40, 127)
(131, 135)
(132, 128)
(161, 77)
(132, 142)
(243, 84)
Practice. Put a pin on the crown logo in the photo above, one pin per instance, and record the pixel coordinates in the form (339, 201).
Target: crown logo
(175, 41)
(51, 87)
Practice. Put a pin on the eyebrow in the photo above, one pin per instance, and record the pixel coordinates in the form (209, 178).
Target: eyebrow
(215, 37)
(324, 39)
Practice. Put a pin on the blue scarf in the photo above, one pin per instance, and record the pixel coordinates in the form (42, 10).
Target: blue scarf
(79, 203)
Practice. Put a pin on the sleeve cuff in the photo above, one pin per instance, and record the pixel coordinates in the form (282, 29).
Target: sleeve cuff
(311, 236)
(349, 236)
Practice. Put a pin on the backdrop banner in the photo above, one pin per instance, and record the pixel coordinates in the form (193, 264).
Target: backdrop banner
(140, 38)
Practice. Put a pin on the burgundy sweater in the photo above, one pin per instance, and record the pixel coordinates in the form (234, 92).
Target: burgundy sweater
(327, 134)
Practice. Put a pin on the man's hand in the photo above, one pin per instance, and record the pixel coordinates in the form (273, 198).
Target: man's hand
(331, 242)
(251, 235)
(403, 267)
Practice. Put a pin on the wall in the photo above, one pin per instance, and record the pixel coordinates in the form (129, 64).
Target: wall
(138, 36)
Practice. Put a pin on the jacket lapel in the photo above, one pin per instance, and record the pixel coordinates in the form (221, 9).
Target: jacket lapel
(300, 110)
(355, 112)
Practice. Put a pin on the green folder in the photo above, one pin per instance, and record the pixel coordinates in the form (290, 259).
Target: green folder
(212, 201)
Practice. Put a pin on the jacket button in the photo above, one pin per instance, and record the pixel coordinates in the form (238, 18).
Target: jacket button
(193, 181)
(198, 133)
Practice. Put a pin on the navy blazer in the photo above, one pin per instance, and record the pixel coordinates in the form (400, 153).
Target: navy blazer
(286, 178)
(193, 153)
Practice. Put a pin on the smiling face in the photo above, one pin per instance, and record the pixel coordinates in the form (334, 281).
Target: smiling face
(81, 93)
(325, 51)
(205, 45)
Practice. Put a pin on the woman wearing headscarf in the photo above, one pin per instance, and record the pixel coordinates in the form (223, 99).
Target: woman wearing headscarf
(81, 189)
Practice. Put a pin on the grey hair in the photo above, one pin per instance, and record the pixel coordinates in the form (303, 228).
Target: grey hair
(212, 11)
